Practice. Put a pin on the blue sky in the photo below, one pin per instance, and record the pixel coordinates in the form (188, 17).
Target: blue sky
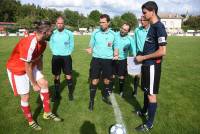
(118, 7)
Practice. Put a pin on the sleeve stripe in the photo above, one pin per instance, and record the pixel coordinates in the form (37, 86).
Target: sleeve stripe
(31, 49)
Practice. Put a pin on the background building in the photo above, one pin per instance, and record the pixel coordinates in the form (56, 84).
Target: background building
(172, 22)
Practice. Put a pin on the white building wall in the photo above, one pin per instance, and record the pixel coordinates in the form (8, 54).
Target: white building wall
(173, 26)
(172, 23)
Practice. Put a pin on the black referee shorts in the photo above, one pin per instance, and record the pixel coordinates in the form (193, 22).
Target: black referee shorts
(150, 78)
(120, 67)
(101, 67)
(63, 63)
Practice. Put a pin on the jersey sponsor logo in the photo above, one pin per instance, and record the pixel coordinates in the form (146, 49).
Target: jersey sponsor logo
(148, 39)
(161, 40)
(145, 89)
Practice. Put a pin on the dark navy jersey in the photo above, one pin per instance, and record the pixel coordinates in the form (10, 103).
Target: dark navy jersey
(156, 37)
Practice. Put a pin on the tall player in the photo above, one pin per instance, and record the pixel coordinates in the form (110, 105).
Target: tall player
(151, 58)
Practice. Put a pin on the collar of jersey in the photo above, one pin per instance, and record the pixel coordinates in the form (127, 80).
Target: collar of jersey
(123, 37)
(106, 32)
(64, 31)
(143, 29)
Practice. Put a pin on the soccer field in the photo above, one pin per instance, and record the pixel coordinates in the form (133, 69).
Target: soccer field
(178, 100)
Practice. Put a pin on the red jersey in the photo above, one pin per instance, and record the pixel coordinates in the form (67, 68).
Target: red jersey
(27, 50)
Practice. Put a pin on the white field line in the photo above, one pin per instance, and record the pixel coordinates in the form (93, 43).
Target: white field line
(117, 112)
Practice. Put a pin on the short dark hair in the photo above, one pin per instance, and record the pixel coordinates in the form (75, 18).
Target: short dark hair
(126, 23)
(60, 17)
(42, 25)
(105, 16)
(150, 5)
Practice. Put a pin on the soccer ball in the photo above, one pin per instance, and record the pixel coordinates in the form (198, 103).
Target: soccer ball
(117, 129)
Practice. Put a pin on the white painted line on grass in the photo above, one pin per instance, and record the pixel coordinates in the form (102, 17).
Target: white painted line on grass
(117, 112)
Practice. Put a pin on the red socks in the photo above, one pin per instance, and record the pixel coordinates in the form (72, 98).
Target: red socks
(44, 94)
(26, 110)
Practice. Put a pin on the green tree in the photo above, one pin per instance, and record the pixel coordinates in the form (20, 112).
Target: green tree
(52, 14)
(94, 15)
(192, 23)
(73, 18)
(87, 23)
(116, 23)
(24, 15)
(130, 18)
(8, 10)
(26, 22)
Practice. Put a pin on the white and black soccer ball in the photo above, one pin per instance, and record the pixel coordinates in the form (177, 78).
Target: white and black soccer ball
(117, 129)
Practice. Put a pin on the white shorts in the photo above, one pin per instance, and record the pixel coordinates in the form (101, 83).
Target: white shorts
(20, 83)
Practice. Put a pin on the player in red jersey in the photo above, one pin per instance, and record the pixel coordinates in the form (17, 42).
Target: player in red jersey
(24, 67)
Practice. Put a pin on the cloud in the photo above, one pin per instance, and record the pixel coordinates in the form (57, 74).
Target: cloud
(113, 7)
(179, 6)
(117, 7)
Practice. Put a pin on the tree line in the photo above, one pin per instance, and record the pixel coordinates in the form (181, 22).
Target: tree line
(192, 23)
(24, 16)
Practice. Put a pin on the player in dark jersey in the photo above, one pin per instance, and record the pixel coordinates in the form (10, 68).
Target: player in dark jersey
(151, 58)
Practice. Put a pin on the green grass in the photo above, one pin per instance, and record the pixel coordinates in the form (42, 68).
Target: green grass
(178, 101)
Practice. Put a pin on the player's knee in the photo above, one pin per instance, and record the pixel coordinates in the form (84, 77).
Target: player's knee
(106, 81)
(113, 77)
(44, 90)
(25, 97)
(68, 77)
(121, 77)
(43, 83)
(57, 77)
(95, 81)
(152, 98)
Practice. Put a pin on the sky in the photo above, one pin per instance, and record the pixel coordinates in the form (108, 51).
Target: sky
(118, 7)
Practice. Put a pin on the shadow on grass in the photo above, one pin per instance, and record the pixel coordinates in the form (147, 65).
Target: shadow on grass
(88, 128)
(56, 104)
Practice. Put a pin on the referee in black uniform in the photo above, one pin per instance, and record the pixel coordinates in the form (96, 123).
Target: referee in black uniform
(151, 58)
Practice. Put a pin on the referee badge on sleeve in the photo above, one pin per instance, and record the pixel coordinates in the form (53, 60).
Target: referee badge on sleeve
(109, 44)
(161, 40)
(125, 49)
(66, 42)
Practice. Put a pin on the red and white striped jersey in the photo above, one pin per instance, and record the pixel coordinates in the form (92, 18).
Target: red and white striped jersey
(28, 49)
